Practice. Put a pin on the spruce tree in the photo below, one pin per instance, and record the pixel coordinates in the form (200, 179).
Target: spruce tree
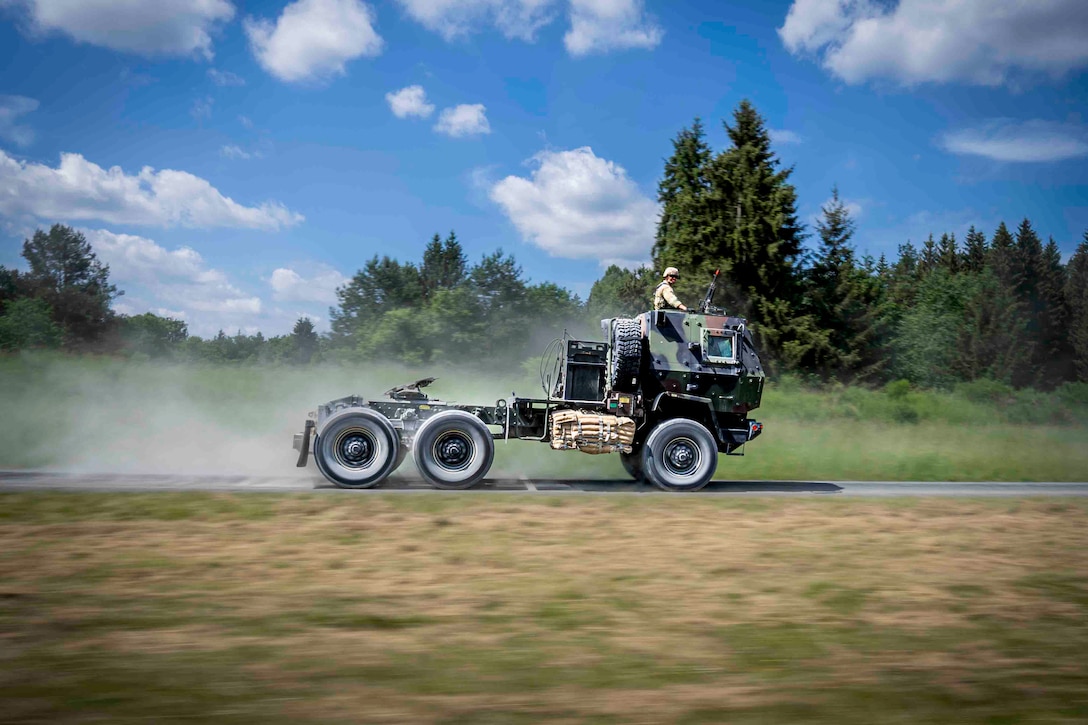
(1076, 295)
(1000, 257)
(684, 235)
(947, 253)
(974, 253)
(843, 301)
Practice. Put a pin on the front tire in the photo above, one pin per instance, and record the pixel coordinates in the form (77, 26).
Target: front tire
(356, 448)
(679, 455)
(632, 463)
(453, 450)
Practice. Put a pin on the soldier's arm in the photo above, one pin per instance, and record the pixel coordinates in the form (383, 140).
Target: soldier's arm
(673, 300)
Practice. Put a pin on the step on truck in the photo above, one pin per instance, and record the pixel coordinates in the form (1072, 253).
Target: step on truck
(667, 391)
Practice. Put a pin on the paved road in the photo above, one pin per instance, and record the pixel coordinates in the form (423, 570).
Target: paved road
(104, 481)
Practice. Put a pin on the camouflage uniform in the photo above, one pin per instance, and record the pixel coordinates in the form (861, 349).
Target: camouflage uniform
(664, 297)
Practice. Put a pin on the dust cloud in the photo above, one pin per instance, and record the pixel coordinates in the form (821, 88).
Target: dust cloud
(113, 416)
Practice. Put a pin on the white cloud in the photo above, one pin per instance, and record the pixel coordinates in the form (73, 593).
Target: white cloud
(313, 39)
(784, 137)
(454, 18)
(11, 108)
(177, 281)
(595, 25)
(202, 108)
(579, 206)
(598, 26)
(224, 78)
(919, 41)
(463, 120)
(290, 286)
(236, 152)
(178, 27)
(409, 101)
(78, 189)
(245, 121)
(1026, 141)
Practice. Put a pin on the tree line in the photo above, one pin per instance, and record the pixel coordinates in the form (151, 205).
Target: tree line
(1002, 307)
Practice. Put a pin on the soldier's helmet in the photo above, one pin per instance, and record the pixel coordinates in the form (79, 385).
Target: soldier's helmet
(671, 272)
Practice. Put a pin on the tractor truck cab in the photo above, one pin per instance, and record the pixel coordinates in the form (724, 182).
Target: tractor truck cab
(667, 391)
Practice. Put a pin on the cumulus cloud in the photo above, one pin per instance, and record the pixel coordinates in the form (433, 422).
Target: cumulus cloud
(919, 41)
(178, 27)
(79, 189)
(320, 286)
(179, 281)
(313, 39)
(224, 78)
(1005, 140)
(11, 108)
(598, 26)
(579, 206)
(463, 120)
(409, 101)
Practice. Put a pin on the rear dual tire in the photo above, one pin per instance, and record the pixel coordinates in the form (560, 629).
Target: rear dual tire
(357, 448)
(453, 450)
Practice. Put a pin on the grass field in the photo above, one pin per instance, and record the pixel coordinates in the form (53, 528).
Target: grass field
(491, 609)
(113, 415)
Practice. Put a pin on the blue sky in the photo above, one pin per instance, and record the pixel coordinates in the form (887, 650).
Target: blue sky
(235, 161)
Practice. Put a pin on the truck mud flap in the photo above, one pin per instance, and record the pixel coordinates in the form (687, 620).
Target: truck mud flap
(302, 443)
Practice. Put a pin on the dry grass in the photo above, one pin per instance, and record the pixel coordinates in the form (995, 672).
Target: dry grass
(432, 608)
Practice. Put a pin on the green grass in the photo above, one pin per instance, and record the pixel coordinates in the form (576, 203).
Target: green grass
(115, 415)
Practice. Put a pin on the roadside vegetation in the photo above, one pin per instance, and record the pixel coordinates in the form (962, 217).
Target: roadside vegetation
(486, 609)
(108, 414)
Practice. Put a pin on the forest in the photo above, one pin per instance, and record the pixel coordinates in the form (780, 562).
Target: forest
(997, 305)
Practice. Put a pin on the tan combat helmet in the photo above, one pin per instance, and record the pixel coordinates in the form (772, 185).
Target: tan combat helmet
(671, 272)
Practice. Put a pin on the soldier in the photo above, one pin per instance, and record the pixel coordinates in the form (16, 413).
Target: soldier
(663, 295)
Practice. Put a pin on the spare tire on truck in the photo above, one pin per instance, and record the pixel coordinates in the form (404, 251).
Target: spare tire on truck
(356, 448)
(626, 355)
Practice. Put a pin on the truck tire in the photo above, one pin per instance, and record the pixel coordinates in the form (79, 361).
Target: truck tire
(356, 448)
(679, 455)
(453, 449)
(626, 355)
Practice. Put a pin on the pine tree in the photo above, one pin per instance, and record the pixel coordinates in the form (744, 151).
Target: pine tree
(947, 254)
(66, 274)
(1000, 258)
(930, 259)
(974, 253)
(1054, 353)
(444, 265)
(684, 235)
(843, 301)
(1076, 295)
(304, 341)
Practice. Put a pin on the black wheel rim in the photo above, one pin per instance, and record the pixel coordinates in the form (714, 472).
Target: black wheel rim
(355, 448)
(454, 451)
(681, 457)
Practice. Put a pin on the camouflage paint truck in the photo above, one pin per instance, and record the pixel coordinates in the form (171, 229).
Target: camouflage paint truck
(667, 392)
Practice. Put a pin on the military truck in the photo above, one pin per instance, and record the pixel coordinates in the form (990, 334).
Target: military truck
(667, 391)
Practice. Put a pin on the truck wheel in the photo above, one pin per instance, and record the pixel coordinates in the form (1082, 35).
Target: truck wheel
(632, 463)
(454, 449)
(626, 355)
(356, 448)
(679, 455)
